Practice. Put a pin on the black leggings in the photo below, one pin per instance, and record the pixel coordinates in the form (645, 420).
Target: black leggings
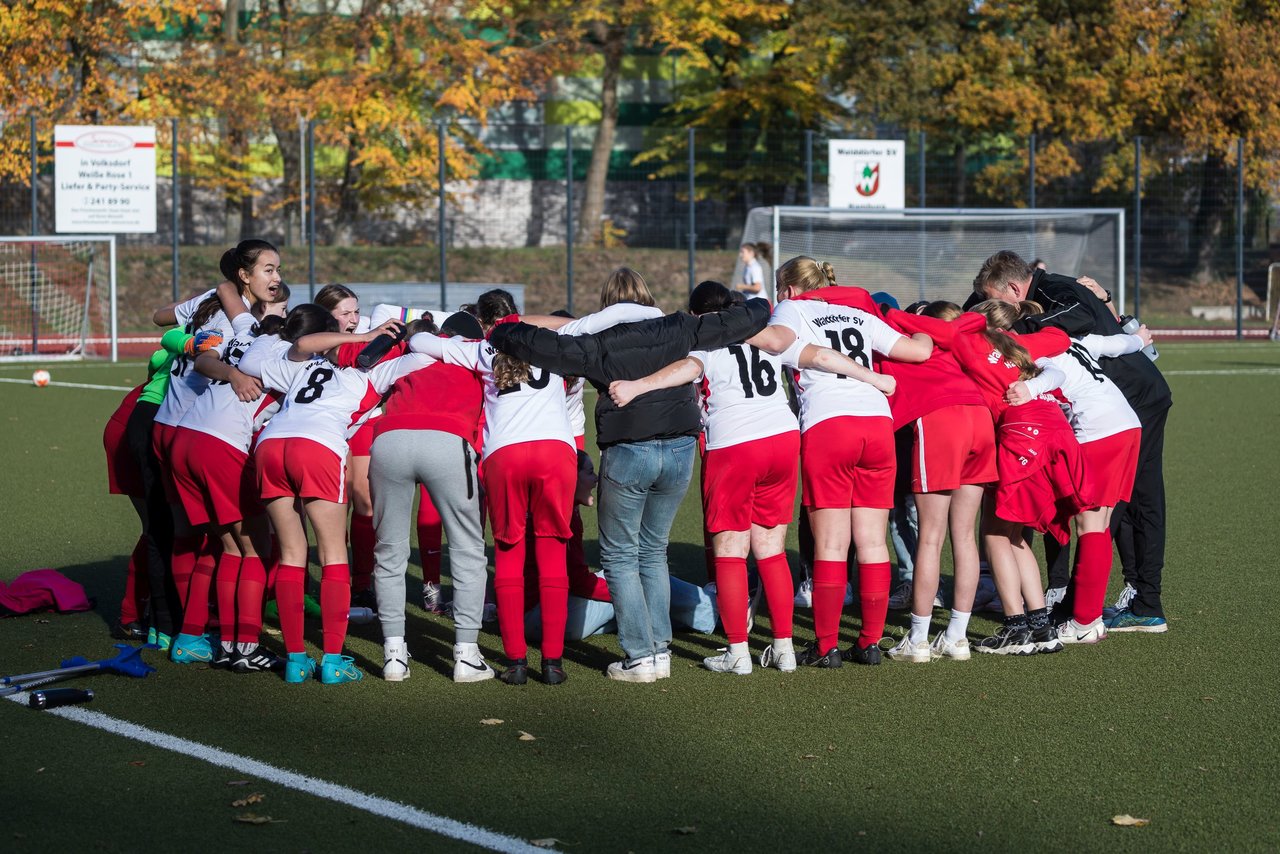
(157, 521)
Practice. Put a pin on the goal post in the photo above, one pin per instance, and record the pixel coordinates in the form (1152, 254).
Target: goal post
(934, 253)
(58, 297)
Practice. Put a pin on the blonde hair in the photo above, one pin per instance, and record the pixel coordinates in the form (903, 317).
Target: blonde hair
(492, 306)
(1000, 316)
(802, 274)
(625, 285)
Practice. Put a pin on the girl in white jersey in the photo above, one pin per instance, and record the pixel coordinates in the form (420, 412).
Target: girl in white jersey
(530, 472)
(749, 488)
(300, 459)
(847, 454)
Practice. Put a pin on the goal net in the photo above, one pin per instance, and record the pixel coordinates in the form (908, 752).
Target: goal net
(57, 297)
(932, 253)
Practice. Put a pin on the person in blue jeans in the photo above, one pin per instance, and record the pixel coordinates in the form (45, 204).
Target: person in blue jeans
(647, 451)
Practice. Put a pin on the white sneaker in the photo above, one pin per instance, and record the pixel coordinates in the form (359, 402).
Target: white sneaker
(900, 598)
(395, 661)
(1122, 601)
(780, 654)
(662, 665)
(1054, 596)
(804, 594)
(640, 670)
(917, 653)
(469, 664)
(943, 648)
(431, 598)
(848, 593)
(1073, 632)
(735, 659)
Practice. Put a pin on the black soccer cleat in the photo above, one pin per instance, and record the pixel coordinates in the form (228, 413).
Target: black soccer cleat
(516, 672)
(863, 655)
(553, 671)
(1008, 641)
(221, 658)
(129, 631)
(261, 660)
(810, 657)
(1045, 639)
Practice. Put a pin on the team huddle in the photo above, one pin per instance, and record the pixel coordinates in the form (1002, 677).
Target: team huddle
(1031, 410)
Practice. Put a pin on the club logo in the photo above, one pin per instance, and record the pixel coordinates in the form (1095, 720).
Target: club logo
(868, 178)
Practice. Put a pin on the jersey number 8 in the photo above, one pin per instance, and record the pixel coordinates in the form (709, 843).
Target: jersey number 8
(851, 343)
(311, 392)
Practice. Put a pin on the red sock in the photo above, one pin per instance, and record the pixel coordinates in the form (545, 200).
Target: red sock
(363, 539)
(430, 535)
(249, 594)
(508, 587)
(775, 575)
(183, 563)
(135, 585)
(732, 597)
(829, 579)
(873, 589)
(1092, 570)
(195, 609)
(225, 578)
(335, 605)
(553, 593)
(291, 582)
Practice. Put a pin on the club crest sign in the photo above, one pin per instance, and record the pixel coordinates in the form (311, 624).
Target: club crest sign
(866, 173)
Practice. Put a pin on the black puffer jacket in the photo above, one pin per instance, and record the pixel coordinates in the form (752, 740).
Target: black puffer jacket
(630, 351)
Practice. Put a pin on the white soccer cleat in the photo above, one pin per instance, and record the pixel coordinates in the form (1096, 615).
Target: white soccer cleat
(395, 661)
(662, 665)
(943, 648)
(735, 659)
(1054, 596)
(804, 594)
(780, 654)
(1072, 632)
(469, 664)
(639, 670)
(916, 653)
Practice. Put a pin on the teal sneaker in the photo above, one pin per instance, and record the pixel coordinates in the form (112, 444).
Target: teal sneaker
(158, 640)
(191, 649)
(1125, 620)
(336, 669)
(299, 668)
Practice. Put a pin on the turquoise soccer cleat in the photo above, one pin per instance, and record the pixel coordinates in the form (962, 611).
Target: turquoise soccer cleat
(336, 669)
(299, 668)
(190, 649)
(1125, 620)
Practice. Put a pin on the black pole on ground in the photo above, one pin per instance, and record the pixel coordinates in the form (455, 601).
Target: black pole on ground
(1239, 238)
(568, 216)
(693, 223)
(173, 201)
(1137, 227)
(440, 230)
(35, 230)
(311, 208)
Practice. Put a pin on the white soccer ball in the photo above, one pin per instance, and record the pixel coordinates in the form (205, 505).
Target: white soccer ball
(40, 378)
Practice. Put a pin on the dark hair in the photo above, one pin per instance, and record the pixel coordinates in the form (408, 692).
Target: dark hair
(709, 296)
(329, 296)
(269, 325)
(242, 256)
(763, 250)
(307, 319)
(423, 324)
(941, 309)
(560, 312)
(493, 306)
(999, 270)
(462, 324)
(204, 312)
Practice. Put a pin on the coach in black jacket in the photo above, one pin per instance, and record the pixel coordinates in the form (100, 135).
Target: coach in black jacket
(1073, 308)
(647, 452)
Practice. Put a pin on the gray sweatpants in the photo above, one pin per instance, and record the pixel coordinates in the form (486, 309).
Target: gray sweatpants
(446, 465)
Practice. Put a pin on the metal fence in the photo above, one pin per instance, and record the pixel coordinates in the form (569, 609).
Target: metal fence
(1198, 238)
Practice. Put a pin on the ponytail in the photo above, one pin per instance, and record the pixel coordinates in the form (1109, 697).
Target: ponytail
(1000, 317)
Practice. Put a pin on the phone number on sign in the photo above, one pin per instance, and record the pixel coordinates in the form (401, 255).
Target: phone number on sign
(103, 201)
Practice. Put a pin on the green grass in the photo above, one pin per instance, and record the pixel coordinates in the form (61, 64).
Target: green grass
(977, 756)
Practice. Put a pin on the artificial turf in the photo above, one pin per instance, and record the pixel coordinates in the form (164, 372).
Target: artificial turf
(990, 754)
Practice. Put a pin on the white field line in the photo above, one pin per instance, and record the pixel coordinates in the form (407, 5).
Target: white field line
(1224, 372)
(382, 807)
(20, 381)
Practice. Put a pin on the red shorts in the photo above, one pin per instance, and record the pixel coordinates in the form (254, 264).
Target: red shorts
(361, 441)
(580, 442)
(215, 480)
(1112, 463)
(296, 467)
(123, 474)
(531, 478)
(753, 483)
(848, 461)
(954, 446)
(162, 436)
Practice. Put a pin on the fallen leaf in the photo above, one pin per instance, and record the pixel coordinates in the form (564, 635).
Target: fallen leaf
(237, 782)
(686, 830)
(41, 770)
(831, 748)
(524, 736)
(250, 800)
(1129, 821)
(137, 763)
(491, 721)
(808, 756)
(254, 818)
(549, 842)
(1207, 699)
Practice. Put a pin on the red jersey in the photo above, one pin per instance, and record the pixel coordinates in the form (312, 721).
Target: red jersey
(984, 364)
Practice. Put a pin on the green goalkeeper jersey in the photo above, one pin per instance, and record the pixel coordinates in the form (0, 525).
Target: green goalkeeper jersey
(172, 344)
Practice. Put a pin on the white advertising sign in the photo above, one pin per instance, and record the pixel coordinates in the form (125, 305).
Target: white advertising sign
(867, 173)
(105, 179)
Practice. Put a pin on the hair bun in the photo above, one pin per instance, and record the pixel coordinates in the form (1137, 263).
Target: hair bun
(829, 272)
(229, 266)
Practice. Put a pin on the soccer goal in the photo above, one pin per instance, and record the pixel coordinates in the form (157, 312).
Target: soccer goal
(934, 253)
(58, 297)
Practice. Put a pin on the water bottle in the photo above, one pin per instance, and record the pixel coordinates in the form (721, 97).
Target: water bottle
(1130, 326)
(360, 616)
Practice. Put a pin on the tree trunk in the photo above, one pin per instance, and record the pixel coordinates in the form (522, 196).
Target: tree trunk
(344, 225)
(1210, 217)
(233, 220)
(289, 141)
(613, 40)
(961, 174)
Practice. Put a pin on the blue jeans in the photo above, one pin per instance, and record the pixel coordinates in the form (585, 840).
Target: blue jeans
(641, 487)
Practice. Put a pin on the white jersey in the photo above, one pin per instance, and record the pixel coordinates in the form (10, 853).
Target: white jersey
(574, 403)
(609, 316)
(184, 311)
(186, 384)
(1098, 408)
(325, 403)
(219, 413)
(850, 331)
(532, 411)
(744, 395)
